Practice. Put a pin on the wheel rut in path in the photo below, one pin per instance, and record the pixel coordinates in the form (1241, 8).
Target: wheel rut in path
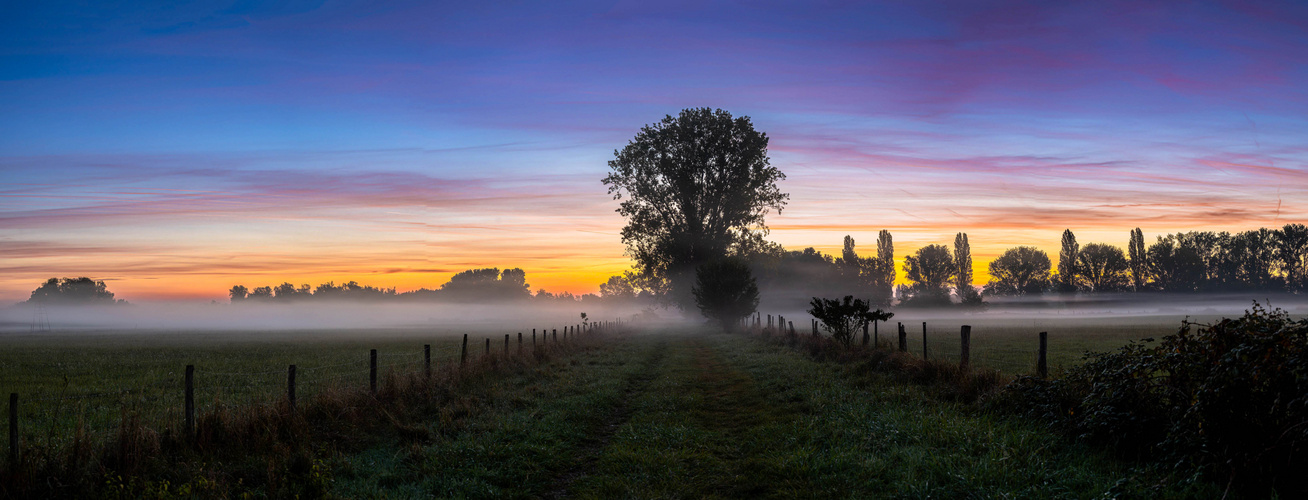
(618, 416)
(735, 409)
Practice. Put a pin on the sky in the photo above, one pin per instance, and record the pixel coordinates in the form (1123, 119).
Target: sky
(174, 149)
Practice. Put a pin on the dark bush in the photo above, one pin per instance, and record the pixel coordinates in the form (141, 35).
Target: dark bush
(1226, 399)
(844, 318)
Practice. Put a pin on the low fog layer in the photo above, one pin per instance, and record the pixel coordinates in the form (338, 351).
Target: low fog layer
(523, 316)
(445, 317)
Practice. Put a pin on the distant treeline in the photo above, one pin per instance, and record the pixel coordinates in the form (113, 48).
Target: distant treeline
(1270, 260)
(1262, 260)
(473, 285)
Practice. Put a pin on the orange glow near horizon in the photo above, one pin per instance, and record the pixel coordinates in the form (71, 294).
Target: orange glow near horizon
(579, 273)
(415, 230)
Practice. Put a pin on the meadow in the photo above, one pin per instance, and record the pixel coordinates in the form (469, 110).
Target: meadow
(66, 379)
(673, 412)
(91, 379)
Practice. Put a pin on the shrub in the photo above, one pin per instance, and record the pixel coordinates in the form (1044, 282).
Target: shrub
(725, 291)
(1228, 399)
(843, 318)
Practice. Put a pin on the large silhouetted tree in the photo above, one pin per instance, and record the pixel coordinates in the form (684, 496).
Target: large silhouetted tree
(1102, 268)
(1139, 261)
(931, 270)
(1019, 271)
(1065, 281)
(695, 188)
(725, 291)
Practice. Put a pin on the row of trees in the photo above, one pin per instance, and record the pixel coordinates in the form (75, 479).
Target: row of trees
(1198, 261)
(1201, 261)
(473, 285)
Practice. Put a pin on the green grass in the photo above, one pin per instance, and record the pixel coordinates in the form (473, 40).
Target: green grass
(658, 415)
(67, 380)
(1010, 345)
(677, 415)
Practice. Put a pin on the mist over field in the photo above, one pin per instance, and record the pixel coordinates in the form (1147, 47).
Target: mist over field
(326, 316)
(455, 318)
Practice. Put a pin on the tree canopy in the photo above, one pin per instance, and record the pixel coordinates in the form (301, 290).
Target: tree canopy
(1102, 268)
(931, 270)
(72, 291)
(694, 188)
(1019, 271)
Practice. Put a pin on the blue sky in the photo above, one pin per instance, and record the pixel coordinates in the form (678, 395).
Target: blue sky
(178, 149)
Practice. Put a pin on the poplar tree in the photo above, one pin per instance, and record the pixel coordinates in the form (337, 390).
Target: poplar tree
(886, 267)
(962, 260)
(1139, 260)
(1066, 280)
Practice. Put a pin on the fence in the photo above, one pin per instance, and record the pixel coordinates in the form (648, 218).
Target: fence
(1009, 352)
(52, 419)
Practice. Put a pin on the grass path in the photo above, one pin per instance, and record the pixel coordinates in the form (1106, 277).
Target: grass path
(678, 415)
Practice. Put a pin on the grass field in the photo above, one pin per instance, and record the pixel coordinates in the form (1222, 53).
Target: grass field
(669, 414)
(1010, 345)
(64, 379)
(697, 415)
(91, 378)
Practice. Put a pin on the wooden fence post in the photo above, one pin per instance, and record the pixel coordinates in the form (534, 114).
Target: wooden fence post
(290, 387)
(519, 341)
(903, 339)
(556, 335)
(865, 335)
(1042, 363)
(924, 341)
(372, 370)
(463, 353)
(190, 401)
(487, 353)
(533, 339)
(13, 431)
(426, 360)
(966, 333)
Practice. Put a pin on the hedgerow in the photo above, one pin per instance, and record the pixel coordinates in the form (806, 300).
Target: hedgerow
(1229, 400)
